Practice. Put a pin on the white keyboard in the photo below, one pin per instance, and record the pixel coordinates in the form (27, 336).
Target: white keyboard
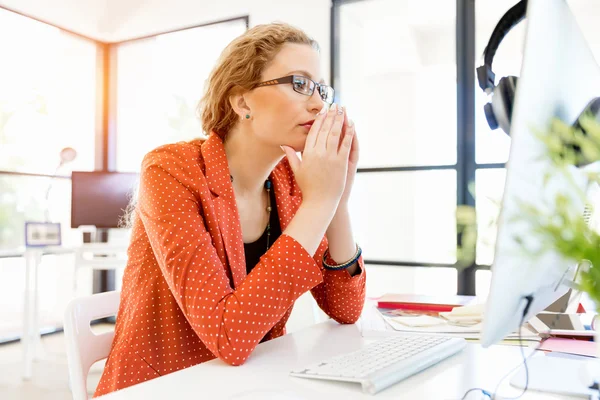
(385, 362)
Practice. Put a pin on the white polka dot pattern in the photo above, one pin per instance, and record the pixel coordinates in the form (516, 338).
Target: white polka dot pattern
(185, 296)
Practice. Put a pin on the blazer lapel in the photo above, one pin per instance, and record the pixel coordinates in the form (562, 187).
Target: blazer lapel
(287, 198)
(219, 183)
(287, 193)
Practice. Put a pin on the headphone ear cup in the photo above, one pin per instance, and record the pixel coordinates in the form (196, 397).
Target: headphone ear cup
(503, 101)
(489, 116)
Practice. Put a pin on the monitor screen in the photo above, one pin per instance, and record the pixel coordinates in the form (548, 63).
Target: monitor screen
(100, 198)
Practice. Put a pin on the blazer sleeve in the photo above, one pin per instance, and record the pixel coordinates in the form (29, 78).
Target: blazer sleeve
(229, 322)
(340, 295)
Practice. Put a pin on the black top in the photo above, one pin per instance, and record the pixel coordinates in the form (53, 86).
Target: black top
(255, 250)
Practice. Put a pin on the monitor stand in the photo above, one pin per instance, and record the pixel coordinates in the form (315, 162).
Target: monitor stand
(560, 374)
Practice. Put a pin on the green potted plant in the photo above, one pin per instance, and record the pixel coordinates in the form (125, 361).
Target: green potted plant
(557, 227)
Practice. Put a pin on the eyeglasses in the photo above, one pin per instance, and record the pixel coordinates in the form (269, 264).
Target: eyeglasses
(303, 85)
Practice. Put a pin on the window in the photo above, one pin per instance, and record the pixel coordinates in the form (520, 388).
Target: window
(406, 216)
(396, 62)
(48, 96)
(397, 74)
(47, 103)
(395, 71)
(489, 185)
(160, 81)
(23, 198)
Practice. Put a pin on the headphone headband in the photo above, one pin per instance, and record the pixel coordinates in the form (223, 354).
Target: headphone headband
(509, 20)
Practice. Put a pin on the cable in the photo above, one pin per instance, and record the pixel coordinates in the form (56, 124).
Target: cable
(529, 299)
(492, 396)
(485, 392)
(524, 362)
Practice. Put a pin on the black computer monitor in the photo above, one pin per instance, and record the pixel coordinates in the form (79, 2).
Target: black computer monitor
(100, 198)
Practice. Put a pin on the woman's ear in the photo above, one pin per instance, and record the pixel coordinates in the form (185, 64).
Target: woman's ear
(238, 104)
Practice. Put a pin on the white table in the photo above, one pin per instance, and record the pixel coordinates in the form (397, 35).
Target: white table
(86, 256)
(30, 339)
(265, 373)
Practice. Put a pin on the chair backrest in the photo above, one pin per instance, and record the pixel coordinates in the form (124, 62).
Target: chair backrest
(84, 347)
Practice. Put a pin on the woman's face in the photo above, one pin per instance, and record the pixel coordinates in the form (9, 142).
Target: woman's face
(279, 115)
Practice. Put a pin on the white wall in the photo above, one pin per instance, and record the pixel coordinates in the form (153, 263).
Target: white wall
(312, 16)
(117, 20)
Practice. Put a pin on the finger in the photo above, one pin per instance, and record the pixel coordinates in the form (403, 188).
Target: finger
(292, 158)
(345, 126)
(333, 140)
(324, 132)
(347, 142)
(313, 133)
(355, 148)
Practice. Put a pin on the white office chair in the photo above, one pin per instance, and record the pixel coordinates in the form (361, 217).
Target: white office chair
(84, 347)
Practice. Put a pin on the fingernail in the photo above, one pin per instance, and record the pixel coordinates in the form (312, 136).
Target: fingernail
(333, 107)
(350, 123)
(340, 110)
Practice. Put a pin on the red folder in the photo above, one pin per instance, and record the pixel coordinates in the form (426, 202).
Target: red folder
(414, 302)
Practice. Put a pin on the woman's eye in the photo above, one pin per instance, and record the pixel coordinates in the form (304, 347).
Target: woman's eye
(299, 83)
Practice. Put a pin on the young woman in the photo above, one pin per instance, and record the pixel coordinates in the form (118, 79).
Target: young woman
(229, 231)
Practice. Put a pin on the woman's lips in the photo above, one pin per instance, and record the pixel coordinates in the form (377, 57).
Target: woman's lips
(308, 124)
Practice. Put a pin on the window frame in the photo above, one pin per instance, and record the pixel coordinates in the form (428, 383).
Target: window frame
(105, 147)
(466, 165)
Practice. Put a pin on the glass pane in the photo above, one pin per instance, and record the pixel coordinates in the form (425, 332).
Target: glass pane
(24, 199)
(161, 80)
(406, 216)
(419, 280)
(489, 189)
(483, 279)
(398, 80)
(48, 96)
(492, 146)
(436, 281)
(389, 279)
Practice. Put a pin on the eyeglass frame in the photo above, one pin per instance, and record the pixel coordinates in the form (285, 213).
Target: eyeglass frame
(290, 79)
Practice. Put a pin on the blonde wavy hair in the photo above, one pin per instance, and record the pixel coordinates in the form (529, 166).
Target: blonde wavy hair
(239, 68)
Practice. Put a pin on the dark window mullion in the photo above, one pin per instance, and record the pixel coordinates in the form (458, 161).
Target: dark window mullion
(408, 168)
(465, 107)
(465, 167)
(400, 263)
(490, 166)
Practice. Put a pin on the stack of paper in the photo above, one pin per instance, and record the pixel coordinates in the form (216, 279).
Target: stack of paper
(426, 324)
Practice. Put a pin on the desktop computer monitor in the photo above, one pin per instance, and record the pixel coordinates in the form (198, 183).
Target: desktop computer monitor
(100, 198)
(559, 76)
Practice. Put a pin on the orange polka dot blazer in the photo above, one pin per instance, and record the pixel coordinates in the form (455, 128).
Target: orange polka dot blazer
(186, 297)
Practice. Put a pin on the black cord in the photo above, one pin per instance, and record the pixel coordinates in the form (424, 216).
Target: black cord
(492, 396)
(525, 311)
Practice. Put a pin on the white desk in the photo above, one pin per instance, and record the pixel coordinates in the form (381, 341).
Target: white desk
(84, 254)
(265, 373)
(30, 339)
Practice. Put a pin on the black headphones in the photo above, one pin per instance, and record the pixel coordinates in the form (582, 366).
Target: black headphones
(498, 111)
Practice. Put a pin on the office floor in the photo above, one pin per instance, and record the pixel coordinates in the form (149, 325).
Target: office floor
(50, 373)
